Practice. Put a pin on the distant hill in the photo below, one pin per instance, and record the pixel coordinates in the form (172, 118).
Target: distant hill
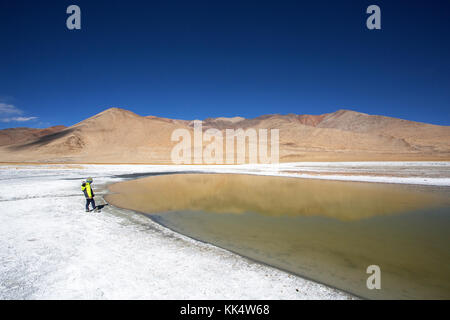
(120, 136)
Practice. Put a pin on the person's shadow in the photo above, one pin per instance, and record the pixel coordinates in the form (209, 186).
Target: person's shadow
(100, 207)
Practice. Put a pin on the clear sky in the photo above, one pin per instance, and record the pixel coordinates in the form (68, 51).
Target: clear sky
(196, 59)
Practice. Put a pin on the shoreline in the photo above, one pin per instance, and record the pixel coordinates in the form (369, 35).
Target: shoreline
(431, 173)
(349, 295)
(38, 163)
(55, 250)
(151, 212)
(30, 182)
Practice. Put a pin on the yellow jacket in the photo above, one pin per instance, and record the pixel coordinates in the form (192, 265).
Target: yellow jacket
(87, 190)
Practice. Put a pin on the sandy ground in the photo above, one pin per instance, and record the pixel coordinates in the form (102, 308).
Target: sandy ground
(50, 248)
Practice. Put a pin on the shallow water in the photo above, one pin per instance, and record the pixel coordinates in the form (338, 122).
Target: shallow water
(328, 231)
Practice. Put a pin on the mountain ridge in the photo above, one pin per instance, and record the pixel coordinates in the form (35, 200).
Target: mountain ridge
(117, 135)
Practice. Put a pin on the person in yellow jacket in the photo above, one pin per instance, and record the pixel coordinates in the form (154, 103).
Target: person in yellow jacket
(88, 193)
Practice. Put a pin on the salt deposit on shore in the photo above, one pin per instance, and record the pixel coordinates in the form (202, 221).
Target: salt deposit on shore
(50, 248)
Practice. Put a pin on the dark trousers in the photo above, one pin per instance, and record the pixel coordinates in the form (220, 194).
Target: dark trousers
(88, 201)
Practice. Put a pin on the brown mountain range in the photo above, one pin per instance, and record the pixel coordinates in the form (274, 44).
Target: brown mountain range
(121, 136)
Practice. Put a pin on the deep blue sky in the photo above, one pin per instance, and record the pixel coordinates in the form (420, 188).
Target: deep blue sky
(197, 59)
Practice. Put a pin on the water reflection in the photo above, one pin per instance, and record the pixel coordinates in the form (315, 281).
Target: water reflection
(272, 196)
(329, 231)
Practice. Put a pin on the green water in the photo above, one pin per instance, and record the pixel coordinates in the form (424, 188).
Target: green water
(328, 231)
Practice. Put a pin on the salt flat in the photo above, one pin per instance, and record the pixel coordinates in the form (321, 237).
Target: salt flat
(50, 248)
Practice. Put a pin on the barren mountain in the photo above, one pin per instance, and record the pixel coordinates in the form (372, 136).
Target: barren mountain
(121, 136)
(112, 136)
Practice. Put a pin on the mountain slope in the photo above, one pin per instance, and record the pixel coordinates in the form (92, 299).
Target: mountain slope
(420, 135)
(114, 135)
(121, 136)
(21, 135)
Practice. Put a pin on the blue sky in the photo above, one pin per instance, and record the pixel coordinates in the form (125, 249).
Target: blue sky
(198, 59)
